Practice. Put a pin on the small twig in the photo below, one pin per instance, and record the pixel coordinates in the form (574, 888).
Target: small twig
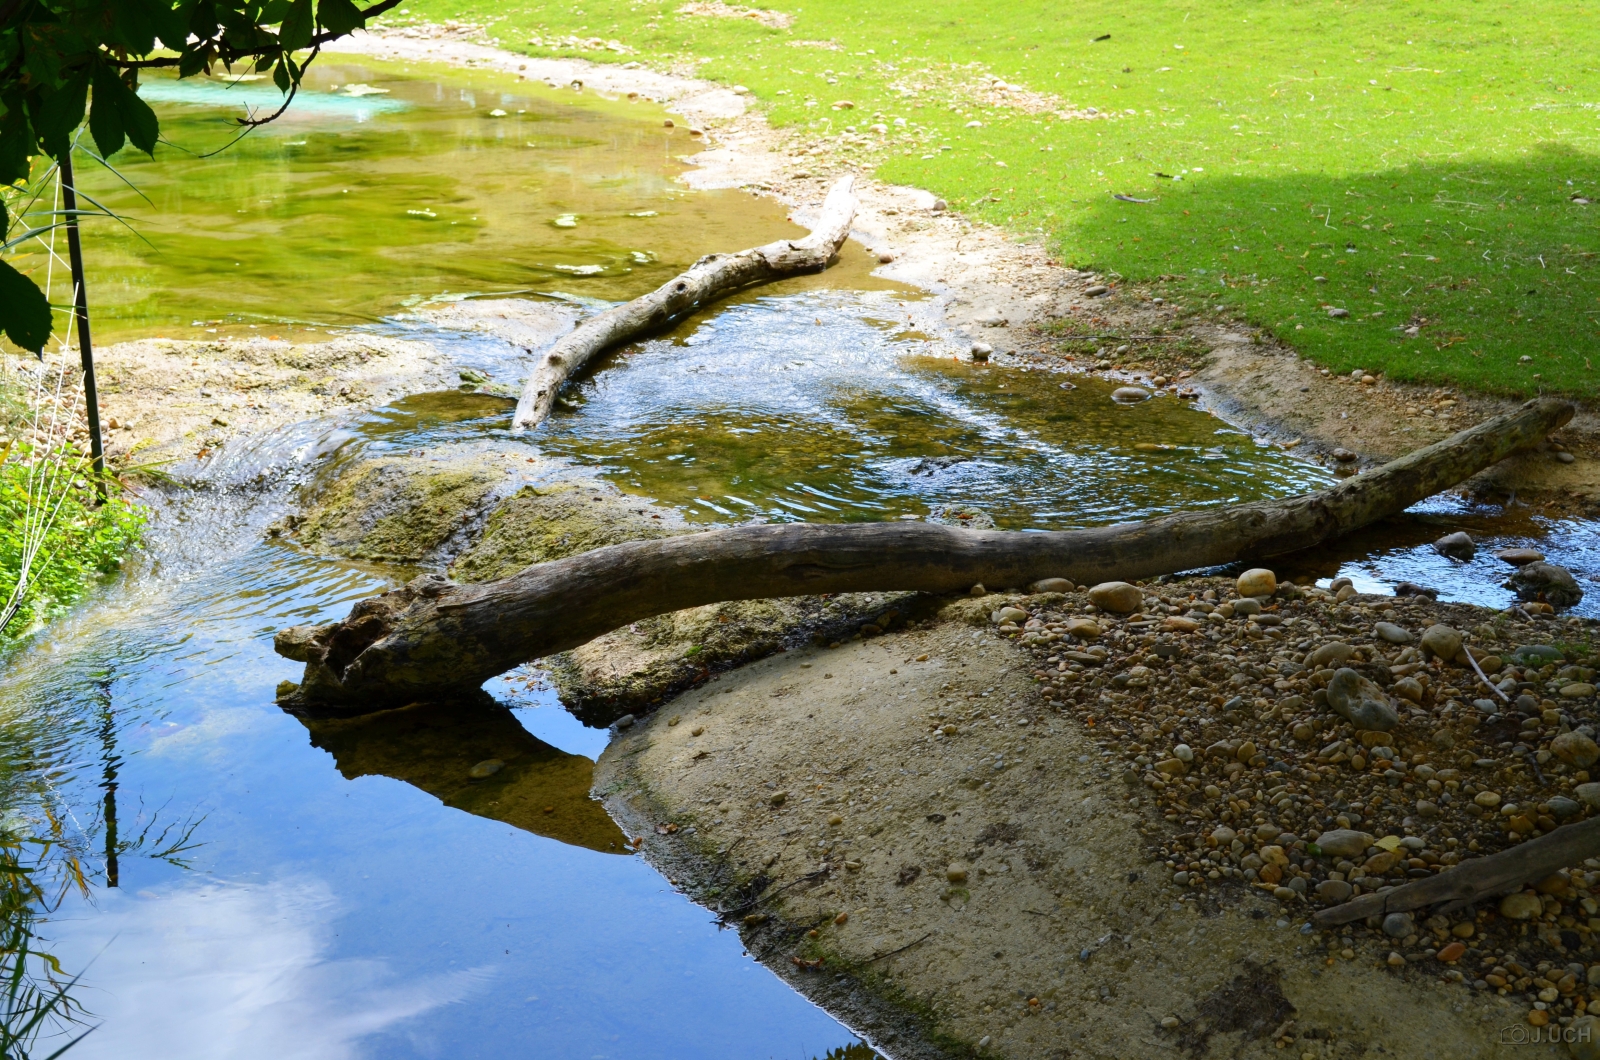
(1473, 659)
(1534, 762)
(808, 877)
(902, 949)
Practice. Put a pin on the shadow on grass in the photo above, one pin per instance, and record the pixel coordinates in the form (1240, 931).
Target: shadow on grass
(1450, 272)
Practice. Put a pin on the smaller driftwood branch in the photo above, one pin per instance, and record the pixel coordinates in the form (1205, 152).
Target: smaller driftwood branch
(1480, 878)
(712, 277)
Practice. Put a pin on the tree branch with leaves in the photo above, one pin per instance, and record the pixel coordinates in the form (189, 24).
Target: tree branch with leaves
(64, 60)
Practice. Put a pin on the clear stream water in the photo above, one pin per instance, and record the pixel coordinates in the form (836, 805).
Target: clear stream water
(351, 893)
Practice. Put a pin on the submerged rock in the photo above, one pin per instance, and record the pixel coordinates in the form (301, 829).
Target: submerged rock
(1548, 582)
(1456, 546)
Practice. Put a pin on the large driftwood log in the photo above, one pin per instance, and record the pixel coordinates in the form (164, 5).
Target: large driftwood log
(432, 636)
(712, 277)
(1473, 881)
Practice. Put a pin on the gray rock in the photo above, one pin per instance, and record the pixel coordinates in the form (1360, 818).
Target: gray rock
(1399, 925)
(1334, 891)
(1546, 581)
(487, 768)
(1536, 655)
(1588, 794)
(1335, 652)
(1129, 395)
(1442, 641)
(1347, 842)
(1247, 607)
(1360, 702)
(624, 722)
(1392, 633)
(1519, 557)
(1563, 807)
(1456, 546)
(1344, 456)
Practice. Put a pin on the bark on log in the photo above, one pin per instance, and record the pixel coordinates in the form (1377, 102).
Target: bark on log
(712, 277)
(432, 636)
(1480, 878)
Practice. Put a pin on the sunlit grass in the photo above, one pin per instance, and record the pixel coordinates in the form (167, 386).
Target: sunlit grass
(1423, 158)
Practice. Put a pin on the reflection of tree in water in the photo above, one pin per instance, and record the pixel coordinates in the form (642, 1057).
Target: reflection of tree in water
(439, 747)
(47, 854)
(853, 1051)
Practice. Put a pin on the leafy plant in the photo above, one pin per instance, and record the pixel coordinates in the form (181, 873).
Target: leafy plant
(56, 537)
(63, 59)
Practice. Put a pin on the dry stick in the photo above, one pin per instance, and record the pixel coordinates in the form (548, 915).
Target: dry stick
(432, 638)
(1480, 878)
(1483, 676)
(712, 277)
(902, 949)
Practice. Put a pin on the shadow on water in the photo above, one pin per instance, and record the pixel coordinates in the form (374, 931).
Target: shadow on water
(437, 746)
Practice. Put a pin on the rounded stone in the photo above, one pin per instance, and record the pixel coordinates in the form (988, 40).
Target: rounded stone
(956, 874)
(1258, 581)
(1183, 753)
(1399, 925)
(1455, 546)
(1547, 582)
(1052, 585)
(1181, 879)
(1344, 843)
(1487, 799)
(1361, 702)
(1588, 794)
(1585, 1041)
(1562, 807)
(1117, 597)
(1520, 905)
(1519, 557)
(1129, 395)
(1464, 930)
(1452, 952)
(1333, 653)
(1575, 749)
(1442, 641)
(1008, 614)
(1577, 690)
(1083, 628)
(1388, 631)
(487, 768)
(1334, 891)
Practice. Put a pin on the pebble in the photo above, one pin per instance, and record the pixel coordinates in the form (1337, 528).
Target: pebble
(1052, 585)
(1574, 748)
(1008, 614)
(1519, 557)
(1225, 835)
(1246, 607)
(1343, 455)
(1344, 842)
(1456, 546)
(981, 351)
(1399, 925)
(1588, 794)
(1083, 628)
(1338, 311)
(1577, 690)
(487, 768)
(1452, 952)
(1393, 634)
(1442, 641)
(1521, 905)
(1096, 290)
(1117, 597)
(1257, 582)
(778, 798)
(956, 874)
(1562, 807)
(1464, 930)
(1361, 702)
(1487, 799)
(1335, 652)
(624, 722)
(1334, 891)
(1129, 395)
(1395, 960)
(1171, 1023)
(1585, 1038)
(1185, 754)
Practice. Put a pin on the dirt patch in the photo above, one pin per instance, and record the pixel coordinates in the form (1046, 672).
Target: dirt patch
(717, 9)
(989, 890)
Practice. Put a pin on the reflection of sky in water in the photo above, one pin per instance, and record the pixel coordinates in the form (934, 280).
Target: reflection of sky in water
(1408, 555)
(264, 96)
(334, 918)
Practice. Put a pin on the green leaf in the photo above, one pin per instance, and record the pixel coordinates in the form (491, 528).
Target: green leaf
(139, 120)
(62, 113)
(105, 113)
(298, 26)
(340, 16)
(16, 144)
(280, 76)
(24, 313)
(191, 62)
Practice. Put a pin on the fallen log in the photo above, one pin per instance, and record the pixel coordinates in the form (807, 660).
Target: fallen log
(1473, 881)
(712, 277)
(432, 636)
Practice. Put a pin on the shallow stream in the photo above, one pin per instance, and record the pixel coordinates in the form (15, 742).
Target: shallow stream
(351, 891)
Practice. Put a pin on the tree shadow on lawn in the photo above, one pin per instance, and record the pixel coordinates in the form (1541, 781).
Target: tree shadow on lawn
(1488, 261)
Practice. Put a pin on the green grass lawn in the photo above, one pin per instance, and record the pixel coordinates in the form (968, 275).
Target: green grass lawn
(1415, 164)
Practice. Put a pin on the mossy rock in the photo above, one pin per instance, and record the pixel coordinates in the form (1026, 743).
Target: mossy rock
(400, 510)
(543, 523)
(632, 670)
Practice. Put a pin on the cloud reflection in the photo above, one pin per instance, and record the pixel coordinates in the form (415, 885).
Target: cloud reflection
(236, 973)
